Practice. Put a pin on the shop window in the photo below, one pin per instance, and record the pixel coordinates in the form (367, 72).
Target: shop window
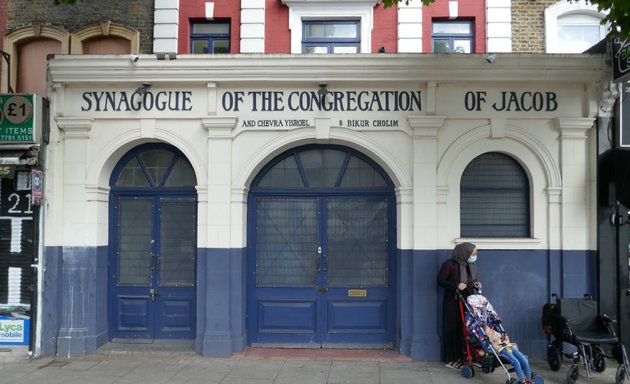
(452, 36)
(494, 193)
(331, 36)
(210, 37)
(572, 27)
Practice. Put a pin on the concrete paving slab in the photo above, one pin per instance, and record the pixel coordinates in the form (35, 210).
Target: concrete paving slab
(304, 372)
(256, 369)
(395, 373)
(349, 372)
(160, 368)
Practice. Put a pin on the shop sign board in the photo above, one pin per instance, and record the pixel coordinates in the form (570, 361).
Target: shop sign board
(37, 186)
(624, 116)
(21, 118)
(14, 330)
(621, 59)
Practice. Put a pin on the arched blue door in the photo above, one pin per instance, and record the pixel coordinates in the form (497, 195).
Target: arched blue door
(153, 237)
(321, 251)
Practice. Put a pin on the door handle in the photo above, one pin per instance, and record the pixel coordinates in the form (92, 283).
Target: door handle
(153, 294)
(322, 290)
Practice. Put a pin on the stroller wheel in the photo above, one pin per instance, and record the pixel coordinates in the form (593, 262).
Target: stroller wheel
(468, 371)
(599, 362)
(554, 357)
(620, 376)
(573, 374)
(487, 368)
(538, 379)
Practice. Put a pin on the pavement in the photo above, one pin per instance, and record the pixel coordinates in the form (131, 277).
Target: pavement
(150, 364)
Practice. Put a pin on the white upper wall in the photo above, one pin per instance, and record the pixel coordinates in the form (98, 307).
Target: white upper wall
(410, 27)
(498, 26)
(540, 119)
(252, 26)
(166, 26)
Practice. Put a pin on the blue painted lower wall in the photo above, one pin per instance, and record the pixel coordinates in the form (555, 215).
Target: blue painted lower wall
(221, 302)
(74, 295)
(518, 284)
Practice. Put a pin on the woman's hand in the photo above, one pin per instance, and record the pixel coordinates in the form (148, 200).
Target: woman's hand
(461, 286)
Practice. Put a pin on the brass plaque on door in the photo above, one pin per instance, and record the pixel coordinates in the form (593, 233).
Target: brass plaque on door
(357, 292)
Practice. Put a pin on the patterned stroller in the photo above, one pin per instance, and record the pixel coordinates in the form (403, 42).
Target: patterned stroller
(479, 319)
(576, 322)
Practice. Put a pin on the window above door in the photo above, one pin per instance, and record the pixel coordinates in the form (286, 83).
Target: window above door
(304, 12)
(331, 36)
(154, 167)
(452, 36)
(210, 37)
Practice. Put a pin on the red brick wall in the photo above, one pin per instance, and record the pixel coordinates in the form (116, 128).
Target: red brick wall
(468, 10)
(4, 9)
(196, 11)
(385, 32)
(277, 33)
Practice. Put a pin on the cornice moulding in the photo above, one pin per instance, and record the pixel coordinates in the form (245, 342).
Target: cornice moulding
(363, 68)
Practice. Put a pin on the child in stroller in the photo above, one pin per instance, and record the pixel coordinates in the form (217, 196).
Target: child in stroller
(489, 345)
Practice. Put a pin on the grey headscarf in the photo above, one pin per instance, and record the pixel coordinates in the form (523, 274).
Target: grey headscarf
(461, 253)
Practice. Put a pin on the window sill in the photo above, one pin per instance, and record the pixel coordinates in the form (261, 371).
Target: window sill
(501, 242)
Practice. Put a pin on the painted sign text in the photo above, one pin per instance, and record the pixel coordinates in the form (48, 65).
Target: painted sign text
(511, 101)
(122, 101)
(308, 101)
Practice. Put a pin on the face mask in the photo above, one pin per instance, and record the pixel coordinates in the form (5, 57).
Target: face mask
(472, 259)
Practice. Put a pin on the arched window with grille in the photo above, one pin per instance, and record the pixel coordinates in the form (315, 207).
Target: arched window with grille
(494, 198)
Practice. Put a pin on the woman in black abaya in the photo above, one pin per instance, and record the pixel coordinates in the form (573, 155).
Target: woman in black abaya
(457, 273)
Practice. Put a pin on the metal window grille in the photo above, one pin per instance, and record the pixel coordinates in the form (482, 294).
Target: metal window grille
(494, 198)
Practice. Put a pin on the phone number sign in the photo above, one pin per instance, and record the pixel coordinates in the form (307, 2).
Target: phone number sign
(16, 118)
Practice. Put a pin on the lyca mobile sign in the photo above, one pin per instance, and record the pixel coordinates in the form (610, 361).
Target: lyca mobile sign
(14, 331)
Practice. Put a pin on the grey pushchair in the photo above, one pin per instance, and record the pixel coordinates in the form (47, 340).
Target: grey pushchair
(577, 322)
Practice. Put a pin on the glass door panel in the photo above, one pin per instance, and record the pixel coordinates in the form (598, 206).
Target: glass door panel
(178, 237)
(134, 251)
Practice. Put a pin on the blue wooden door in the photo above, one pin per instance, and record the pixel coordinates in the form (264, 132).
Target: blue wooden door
(356, 264)
(321, 259)
(153, 241)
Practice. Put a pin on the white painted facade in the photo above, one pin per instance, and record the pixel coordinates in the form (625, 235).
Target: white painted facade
(425, 155)
(229, 134)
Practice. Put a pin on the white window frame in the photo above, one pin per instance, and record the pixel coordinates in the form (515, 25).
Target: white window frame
(564, 8)
(299, 10)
